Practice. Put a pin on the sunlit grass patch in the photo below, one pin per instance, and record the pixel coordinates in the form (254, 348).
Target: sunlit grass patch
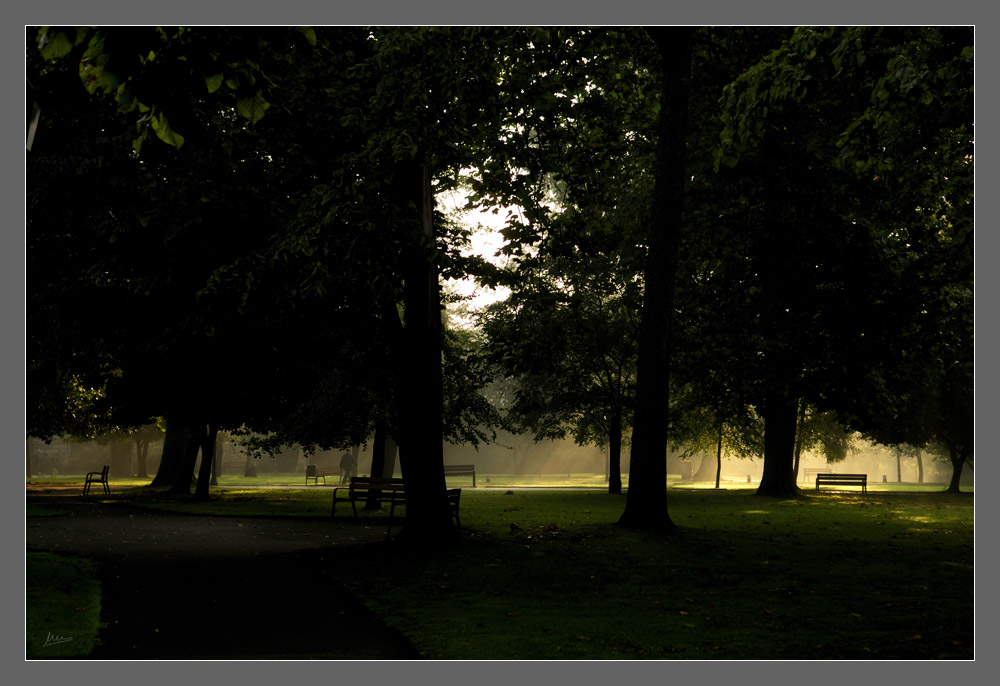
(63, 606)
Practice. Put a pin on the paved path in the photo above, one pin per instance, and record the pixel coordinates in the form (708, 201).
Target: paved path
(200, 587)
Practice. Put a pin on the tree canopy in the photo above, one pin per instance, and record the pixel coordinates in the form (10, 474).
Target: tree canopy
(235, 228)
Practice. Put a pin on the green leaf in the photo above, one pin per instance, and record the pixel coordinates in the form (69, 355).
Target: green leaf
(309, 33)
(214, 83)
(252, 107)
(164, 132)
(53, 44)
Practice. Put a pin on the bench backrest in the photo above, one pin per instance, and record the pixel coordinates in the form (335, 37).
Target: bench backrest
(311, 470)
(370, 483)
(841, 477)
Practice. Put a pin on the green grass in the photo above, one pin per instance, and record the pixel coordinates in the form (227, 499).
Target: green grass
(549, 575)
(63, 606)
(296, 480)
(832, 576)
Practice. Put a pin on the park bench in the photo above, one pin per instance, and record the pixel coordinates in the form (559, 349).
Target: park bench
(100, 477)
(360, 487)
(454, 495)
(843, 480)
(390, 490)
(461, 470)
(315, 473)
(809, 472)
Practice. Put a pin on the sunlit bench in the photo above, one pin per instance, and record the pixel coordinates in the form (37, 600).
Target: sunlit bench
(843, 480)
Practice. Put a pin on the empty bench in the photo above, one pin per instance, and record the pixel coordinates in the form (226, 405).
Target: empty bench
(100, 477)
(461, 470)
(360, 488)
(453, 495)
(843, 480)
(315, 473)
(388, 490)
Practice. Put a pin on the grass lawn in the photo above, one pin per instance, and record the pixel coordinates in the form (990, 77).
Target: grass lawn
(63, 606)
(548, 575)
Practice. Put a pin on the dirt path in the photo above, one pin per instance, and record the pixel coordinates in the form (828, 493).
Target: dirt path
(199, 587)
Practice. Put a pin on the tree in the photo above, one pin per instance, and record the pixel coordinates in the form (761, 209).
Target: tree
(803, 119)
(567, 339)
(646, 506)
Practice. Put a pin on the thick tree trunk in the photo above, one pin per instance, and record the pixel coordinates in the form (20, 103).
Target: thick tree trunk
(121, 459)
(958, 456)
(779, 413)
(207, 441)
(172, 455)
(799, 437)
(706, 468)
(920, 466)
(615, 456)
(185, 472)
(217, 459)
(418, 373)
(646, 505)
(141, 452)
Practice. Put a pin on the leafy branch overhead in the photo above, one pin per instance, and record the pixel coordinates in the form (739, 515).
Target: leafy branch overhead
(156, 71)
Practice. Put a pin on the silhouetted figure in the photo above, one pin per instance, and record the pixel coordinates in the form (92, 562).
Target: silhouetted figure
(348, 466)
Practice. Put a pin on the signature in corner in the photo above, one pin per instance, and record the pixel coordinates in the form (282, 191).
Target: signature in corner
(52, 640)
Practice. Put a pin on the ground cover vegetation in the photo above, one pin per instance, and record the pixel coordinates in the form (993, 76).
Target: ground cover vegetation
(720, 231)
(546, 575)
(63, 601)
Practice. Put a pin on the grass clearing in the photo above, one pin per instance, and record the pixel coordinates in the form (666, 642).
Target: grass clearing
(63, 606)
(547, 574)
(835, 576)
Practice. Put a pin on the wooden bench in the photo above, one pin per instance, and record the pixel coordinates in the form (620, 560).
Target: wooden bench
(100, 477)
(386, 489)
(461, 470)
(390, 490)
(454, 495)
(813, 471)
(843, 480)
(315, 473)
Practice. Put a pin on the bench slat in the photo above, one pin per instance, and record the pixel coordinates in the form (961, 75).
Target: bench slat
(843, 480)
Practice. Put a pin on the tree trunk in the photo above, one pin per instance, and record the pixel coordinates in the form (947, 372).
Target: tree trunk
(799, 438)
(374, 502)
(141, 453)
(172, 456)
(418, 373)
(121, 458)
(899, 468)
(706, 468)
(646, 504)
(718, 459)
(249, 467)
(207, 439)
(615, 456)
(920, 466)
(958, 457)
(217, 459)
(185, 472)
(780, 412)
